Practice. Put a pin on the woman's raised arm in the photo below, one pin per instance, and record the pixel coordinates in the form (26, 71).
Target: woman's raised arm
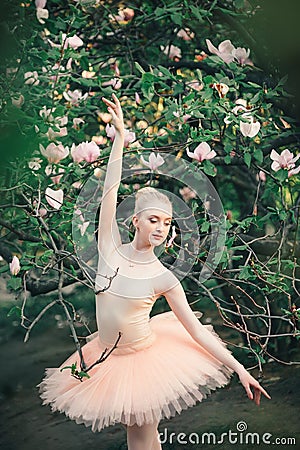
(108, 232)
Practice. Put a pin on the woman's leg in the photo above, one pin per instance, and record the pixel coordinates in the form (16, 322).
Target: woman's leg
(156, 442)
(144, 437)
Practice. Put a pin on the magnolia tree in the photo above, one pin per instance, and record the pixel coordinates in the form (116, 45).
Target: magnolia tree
(193, 84)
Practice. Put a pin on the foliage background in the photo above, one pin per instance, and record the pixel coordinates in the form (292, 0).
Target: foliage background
(255, 288)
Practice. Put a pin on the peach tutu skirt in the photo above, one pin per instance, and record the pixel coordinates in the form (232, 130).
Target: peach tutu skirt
(137, 384)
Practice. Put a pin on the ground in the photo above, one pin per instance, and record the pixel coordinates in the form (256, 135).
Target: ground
(26, 425)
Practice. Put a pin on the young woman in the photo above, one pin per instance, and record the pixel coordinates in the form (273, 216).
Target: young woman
(159, 365)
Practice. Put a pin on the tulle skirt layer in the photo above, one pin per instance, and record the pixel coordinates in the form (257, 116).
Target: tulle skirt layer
(139, 384)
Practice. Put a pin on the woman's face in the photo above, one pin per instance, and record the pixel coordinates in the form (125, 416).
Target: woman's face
(153, 225)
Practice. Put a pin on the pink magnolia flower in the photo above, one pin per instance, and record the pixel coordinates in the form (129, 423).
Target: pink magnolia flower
(98, 172)
(172, 51)
(83, 227)
(186, 34)
(40, 3)
(221, 88)
(262, 176)
(171, 240)
(294, 171)
(32, 78)
(53, 134)
(18, 102)
(241, 105)
(76, 122)
(84, 224)
(196, 85)
(105, 117)
(128, 13)
(124, 15)
(54, 198)
(42, 212)
(55, 177)
(54, 152)
(47, 113)
(202, 152)
(137, 98)
(35, 163)
(86, 151)
(187, 193)
(74, 97)
(224, 51)
(229, 214)
(286, 160)
(15, 266)
(115, 83)
(241, 55)
(129, 136)
(100, 140)
(154, 161)
(250, 128)
(115, 68)
(42, 14)
(88, 74)
(72, 41)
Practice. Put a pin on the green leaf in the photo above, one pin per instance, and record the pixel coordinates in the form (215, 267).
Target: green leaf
(209, 168)
(246, 273)
(281, 175)
(258, 155)
(205, 226)
(139, 68)
(227, 159)
(83, 374)
(165, 71)
(177, 18)
(254, 85)
(147, 85)
(14, 310)
(196, 12)
(14, 283)
(247, 159)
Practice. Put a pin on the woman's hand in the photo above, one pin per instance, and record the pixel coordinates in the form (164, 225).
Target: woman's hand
(114, 108)
(248, 381)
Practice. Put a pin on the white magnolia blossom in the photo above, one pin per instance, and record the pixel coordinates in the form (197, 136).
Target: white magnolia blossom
(250, 127)
(32, 78)
(74, 97)
(54, 198)
(14, 266)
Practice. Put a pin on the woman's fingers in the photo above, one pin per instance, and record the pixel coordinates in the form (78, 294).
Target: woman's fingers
(115, 104)
(249, 392)
(108, 102)
(257, 395)
(264, 392)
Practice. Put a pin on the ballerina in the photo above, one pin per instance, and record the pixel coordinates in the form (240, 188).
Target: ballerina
(159, 366)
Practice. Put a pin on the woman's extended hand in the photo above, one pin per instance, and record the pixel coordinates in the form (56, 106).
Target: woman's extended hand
(248, 381)
(114, 108)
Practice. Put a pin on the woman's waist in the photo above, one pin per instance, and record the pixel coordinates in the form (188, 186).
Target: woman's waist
(128, 344)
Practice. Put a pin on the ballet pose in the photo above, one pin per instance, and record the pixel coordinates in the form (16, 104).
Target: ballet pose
(159, 366)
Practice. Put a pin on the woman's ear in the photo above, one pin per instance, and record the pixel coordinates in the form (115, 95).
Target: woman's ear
(134, 220)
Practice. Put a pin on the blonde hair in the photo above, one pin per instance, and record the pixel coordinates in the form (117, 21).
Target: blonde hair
(149, 195)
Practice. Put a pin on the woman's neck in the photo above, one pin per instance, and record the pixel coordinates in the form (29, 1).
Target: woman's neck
(141, 247)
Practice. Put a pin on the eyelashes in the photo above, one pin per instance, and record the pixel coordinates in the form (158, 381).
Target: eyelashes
(154, 221)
